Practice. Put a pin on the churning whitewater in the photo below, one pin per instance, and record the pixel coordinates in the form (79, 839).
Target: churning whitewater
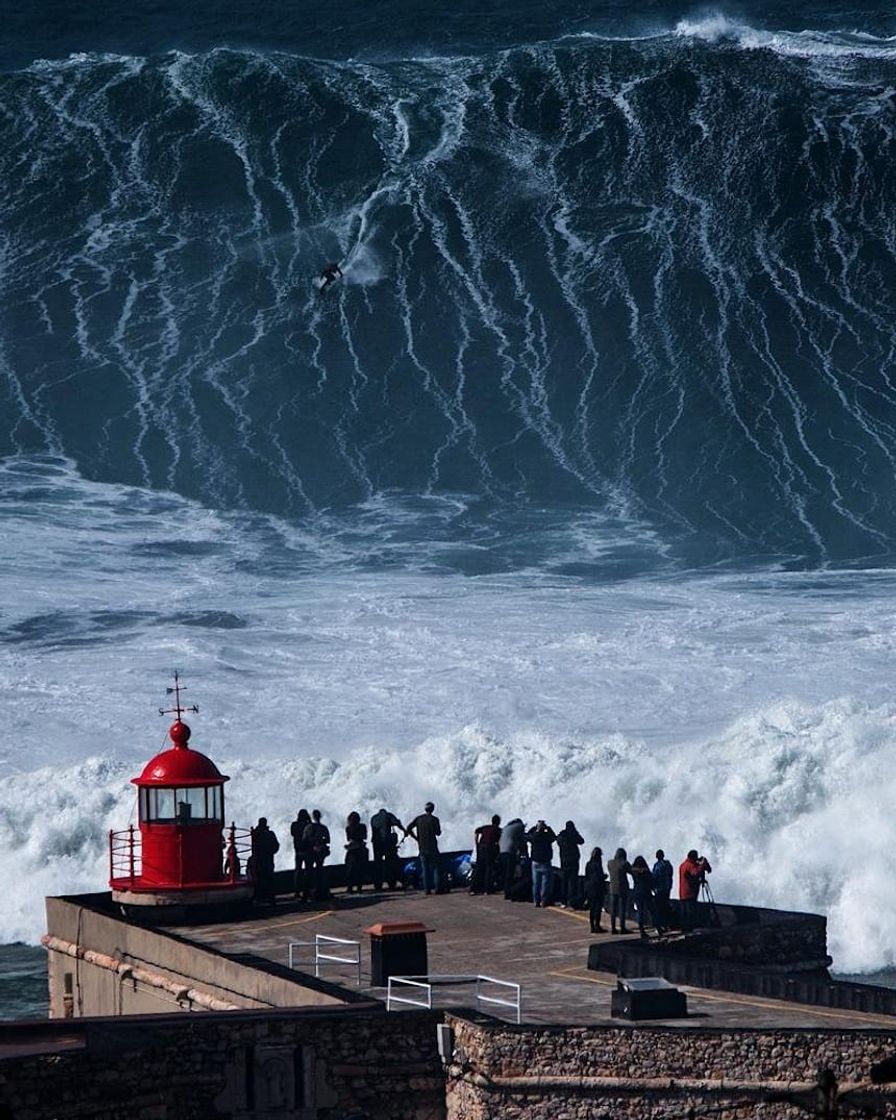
(573, 497)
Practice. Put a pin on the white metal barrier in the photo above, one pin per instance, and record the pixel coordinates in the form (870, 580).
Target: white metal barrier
(411, 983)
(514, 1004)
(426, 984)
(322, 941)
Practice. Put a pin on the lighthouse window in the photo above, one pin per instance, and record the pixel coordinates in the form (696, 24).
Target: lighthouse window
(185, 805)
(190, 804)
(161, 805)
(215, 809)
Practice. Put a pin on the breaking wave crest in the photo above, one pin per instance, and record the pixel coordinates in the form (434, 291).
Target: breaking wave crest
(789, 802)
(807, 44)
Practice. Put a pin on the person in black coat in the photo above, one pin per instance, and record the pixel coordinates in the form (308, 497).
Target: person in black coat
(487, 839)
(569, 841)
(302, 853)
(643, 890)
(356, 853)
(265, 846)
(662, 874)
(386, 868)
(595, 888)
(317, 837)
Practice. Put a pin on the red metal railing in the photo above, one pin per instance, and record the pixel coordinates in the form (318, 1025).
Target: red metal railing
(237, 850)
(126, 855)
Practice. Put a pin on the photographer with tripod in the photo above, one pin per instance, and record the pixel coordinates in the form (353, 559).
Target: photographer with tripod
(691, 877)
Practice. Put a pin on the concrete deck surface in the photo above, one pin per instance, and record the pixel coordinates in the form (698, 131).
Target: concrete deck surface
(543, 950)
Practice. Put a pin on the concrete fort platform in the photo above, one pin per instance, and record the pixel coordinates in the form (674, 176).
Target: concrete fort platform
(275, 1042)
(547, 952)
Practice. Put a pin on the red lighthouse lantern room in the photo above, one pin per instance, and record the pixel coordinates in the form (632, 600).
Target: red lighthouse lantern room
(180, 863)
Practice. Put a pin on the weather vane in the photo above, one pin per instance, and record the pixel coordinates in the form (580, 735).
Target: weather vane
(178, 709)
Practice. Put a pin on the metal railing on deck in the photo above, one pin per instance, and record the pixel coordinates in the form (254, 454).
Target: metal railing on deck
(237, 852)
(425, 985)
(323, 959)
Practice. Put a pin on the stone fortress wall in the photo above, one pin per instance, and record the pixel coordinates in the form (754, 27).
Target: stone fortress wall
(776, 954)
(298, 1064)
(271, 1044)
(360, 1061)
(504, 1072)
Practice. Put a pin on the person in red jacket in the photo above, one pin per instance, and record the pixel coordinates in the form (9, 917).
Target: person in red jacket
(691, 874)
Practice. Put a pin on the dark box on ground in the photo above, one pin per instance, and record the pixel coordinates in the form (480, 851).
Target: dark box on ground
(397, 949)
(649, 997)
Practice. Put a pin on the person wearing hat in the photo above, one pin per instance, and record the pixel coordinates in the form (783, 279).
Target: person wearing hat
(425, 829)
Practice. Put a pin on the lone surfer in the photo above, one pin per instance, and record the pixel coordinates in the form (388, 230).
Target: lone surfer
(330, 274)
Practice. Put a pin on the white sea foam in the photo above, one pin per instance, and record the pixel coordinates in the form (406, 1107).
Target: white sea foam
(716, 27)
(352, 662)
(790, 803)
(364, 267)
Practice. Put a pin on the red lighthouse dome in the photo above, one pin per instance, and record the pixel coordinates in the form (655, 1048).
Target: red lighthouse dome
(180, 765)
(180, 856)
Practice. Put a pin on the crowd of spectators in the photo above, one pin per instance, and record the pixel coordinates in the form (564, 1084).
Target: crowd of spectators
(509, 858)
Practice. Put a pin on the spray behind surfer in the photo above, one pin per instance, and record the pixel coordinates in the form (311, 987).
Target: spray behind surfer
(330, 273)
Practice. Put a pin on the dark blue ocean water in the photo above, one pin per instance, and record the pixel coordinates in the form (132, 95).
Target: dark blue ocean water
(585, 469)
(23, 982)
(58, 28)
(640, 264)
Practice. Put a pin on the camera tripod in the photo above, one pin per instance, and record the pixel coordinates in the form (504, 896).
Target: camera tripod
(706, 896)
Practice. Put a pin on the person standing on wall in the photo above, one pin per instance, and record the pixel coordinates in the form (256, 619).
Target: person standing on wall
(595, 888)
(662, 875)
(317, 837)
(265, 846)
(568, 842)
(385, 849)
(511, 847)
(618, 869)
(426, 829)
(302, 852)
(541, 844)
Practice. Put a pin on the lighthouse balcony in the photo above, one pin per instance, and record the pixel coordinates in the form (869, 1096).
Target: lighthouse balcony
(170, 863)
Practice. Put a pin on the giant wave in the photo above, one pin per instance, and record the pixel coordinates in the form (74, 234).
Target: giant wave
(646, 277)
